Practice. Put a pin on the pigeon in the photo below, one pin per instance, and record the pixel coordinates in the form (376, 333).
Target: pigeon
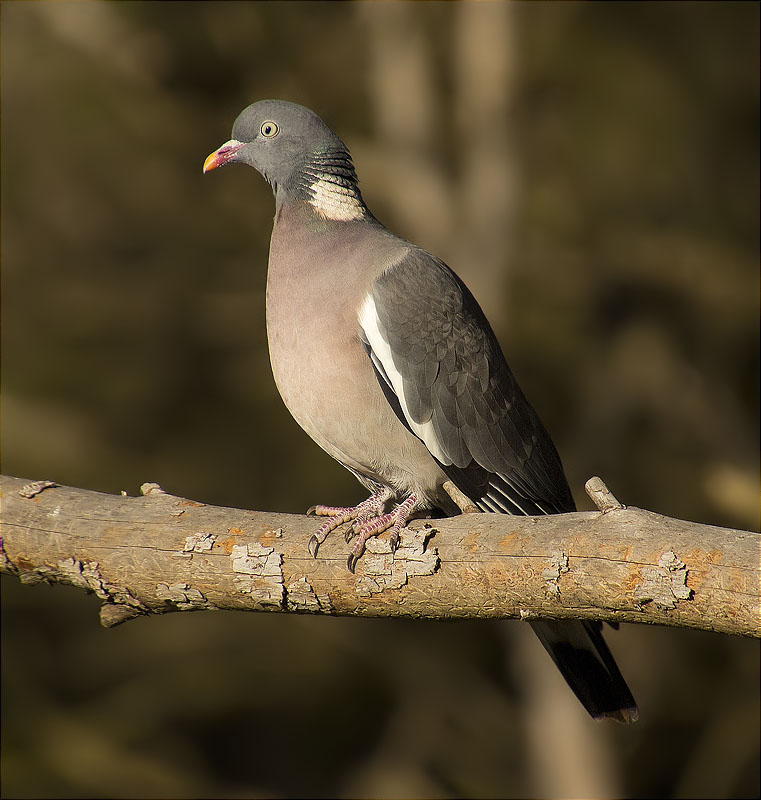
(384, 357)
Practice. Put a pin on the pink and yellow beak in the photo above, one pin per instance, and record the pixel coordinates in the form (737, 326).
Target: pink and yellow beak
(223, 155)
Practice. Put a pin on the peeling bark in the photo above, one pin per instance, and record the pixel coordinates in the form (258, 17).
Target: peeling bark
(158, 553)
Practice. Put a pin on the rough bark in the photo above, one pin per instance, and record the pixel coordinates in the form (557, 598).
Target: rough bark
(157, 553)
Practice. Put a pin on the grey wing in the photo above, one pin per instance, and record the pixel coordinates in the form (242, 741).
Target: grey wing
(442, 370)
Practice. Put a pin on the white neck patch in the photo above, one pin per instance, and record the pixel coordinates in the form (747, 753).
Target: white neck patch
(335, 201)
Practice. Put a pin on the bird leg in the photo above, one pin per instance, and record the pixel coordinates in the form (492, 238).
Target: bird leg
(369, 509)
(395, 520)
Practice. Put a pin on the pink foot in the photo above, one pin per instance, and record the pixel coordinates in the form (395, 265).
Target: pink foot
(368, 521)
(366, 510)
(394, 521)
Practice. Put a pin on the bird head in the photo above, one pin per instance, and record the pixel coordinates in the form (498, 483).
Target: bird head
(279, 139)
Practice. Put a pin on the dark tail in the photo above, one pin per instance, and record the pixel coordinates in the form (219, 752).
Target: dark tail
(580, 653)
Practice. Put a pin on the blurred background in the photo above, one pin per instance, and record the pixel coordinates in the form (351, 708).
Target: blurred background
(590, 170)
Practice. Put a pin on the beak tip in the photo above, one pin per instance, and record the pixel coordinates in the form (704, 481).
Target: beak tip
(222, 155)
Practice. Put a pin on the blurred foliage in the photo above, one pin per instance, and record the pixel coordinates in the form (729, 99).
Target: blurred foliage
(621, 164)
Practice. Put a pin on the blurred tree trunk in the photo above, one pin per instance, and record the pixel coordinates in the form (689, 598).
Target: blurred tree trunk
(484, 87)
(566, 756)
(458, 203)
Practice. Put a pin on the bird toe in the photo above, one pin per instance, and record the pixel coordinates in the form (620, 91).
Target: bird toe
(349, 534)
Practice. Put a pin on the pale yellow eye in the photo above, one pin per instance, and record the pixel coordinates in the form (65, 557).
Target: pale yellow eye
(269, 129)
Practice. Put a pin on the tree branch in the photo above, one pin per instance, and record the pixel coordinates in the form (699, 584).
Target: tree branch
(158, 553)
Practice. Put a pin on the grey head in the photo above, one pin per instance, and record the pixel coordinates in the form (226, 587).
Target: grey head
(298, 154)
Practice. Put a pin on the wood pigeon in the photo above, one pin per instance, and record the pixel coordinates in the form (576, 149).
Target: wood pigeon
(384, 357)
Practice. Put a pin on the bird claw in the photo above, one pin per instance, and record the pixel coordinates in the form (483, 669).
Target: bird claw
(351, 562)
(393, 541)
(349, 534)
(313, 546)
(312, 511)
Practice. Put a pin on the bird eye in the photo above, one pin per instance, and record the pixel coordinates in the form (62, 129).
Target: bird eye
(269, 129)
